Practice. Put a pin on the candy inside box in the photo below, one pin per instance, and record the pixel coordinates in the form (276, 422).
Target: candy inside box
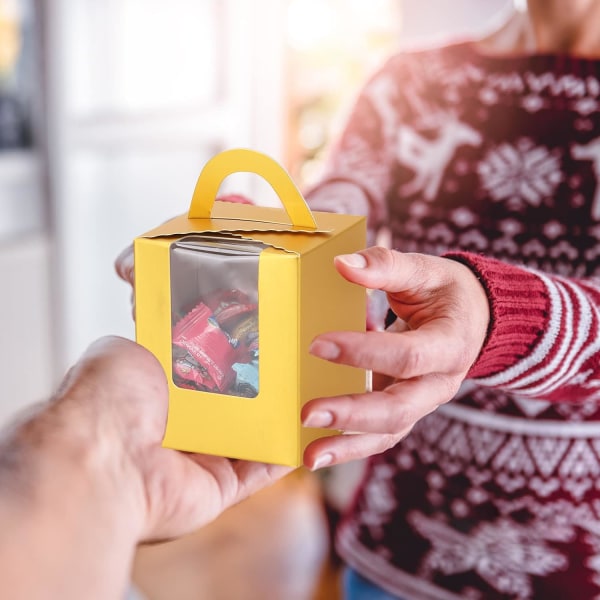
(229, 298)
(214, 309)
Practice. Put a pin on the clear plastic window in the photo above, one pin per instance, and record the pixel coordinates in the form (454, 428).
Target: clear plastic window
(214, 319)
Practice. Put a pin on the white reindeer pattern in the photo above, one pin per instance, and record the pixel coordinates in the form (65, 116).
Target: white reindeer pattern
(429, 158)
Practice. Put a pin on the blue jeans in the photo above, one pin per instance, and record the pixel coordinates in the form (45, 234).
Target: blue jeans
(356, 587)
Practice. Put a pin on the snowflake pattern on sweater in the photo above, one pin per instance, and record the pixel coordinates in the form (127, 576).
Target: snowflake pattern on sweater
(494, 162)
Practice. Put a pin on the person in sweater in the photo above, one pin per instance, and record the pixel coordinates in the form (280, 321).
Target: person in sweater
(480, 160)
(84, 479)
(481, 154)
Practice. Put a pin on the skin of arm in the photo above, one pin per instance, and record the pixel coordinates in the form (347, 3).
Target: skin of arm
(84, 479)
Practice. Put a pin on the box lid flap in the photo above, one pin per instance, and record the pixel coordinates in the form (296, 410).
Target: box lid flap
(271, 225)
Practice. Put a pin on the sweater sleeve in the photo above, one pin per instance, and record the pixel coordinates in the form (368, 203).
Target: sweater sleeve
(544, 337)
(359, 166)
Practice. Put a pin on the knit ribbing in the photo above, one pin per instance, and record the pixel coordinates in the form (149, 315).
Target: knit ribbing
(519, 308)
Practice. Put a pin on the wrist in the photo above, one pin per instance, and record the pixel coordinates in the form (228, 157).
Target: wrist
(511, 290)
(478, 314)
(66, 503)
(52, 459)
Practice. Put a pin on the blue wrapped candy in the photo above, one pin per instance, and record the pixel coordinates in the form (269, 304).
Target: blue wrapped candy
(246, 381)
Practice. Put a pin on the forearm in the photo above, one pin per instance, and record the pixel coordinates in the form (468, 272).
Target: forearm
(69, 529)
(343, 197)
(361, 164)
(87, 479)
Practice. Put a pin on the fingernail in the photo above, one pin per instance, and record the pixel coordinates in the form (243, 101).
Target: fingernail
(324, 349)
(356, 261)
(322, 461)
(319, 418)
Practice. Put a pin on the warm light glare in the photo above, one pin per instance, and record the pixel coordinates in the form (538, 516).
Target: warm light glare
(318, 25)
(334, 44)
(372, 15)
(10, 36)
(309, 23)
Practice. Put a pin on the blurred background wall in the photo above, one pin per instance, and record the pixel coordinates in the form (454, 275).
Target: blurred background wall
(109, 109)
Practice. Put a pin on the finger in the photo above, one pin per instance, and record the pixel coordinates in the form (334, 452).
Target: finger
(117, 368)
(380, 381)
(338, 449)
(392, 271)
(428, 349)
(121, 352)
(124, 265)
(103, 350)
(132, 300)
(238, 479)
(254, 476)
(109, 345)
(390, 411)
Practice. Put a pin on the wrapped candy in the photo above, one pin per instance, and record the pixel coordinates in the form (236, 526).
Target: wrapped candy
(215, 346)
(202, 352)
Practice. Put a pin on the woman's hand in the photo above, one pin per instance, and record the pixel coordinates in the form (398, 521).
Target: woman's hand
(443, 314)
(125, 270)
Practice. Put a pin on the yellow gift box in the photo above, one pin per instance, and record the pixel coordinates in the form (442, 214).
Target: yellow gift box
(194, 316)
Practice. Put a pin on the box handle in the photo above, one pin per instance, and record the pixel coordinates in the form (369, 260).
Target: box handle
(240, 160)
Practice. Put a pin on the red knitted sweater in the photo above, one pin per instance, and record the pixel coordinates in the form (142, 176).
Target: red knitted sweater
(495, 162)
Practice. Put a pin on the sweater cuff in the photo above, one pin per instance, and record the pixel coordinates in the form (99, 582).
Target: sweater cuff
(519, 312)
